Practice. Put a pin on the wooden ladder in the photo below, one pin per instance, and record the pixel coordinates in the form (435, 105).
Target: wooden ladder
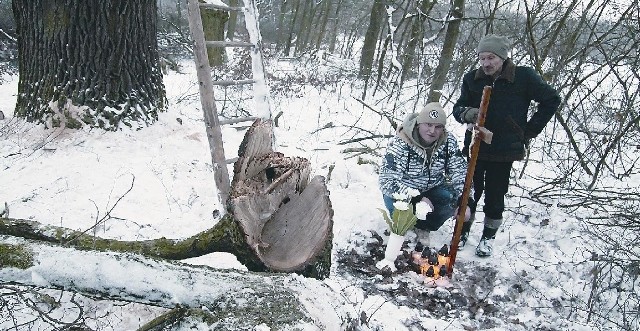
(260, 89)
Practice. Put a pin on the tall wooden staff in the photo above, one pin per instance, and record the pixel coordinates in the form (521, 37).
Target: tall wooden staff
(475, 147)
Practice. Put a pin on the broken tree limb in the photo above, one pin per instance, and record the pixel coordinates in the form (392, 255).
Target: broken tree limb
(274, 299)
(278, 219)
(225, 236)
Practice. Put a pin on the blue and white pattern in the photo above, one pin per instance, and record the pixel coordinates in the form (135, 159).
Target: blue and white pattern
(405, 166)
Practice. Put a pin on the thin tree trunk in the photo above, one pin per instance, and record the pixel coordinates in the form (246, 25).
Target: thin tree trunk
(448, 48)
(292, 28)
(304, 26)
(324, 18)
(376, 20)
(334, 31)
(417, 35)
(280, 28)
(233, 20)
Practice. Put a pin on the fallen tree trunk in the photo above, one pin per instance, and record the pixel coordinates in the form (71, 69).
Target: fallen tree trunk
(279, 300)
(278, 219)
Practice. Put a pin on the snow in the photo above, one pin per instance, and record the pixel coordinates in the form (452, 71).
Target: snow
(158, 182)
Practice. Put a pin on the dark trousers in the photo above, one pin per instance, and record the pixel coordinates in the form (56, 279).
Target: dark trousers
(492, 178)
(444, 202)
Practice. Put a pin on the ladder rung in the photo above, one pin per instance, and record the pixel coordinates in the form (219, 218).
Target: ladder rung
(233, 82)
(229, 44)
(221, 7)
(238, 120)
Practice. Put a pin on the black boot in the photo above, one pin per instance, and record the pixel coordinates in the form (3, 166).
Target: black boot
(489, 233)
(466, 228)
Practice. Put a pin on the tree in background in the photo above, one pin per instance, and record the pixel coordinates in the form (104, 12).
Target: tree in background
(88, 62)
(410, 57)
(376, 20)
(448, 48)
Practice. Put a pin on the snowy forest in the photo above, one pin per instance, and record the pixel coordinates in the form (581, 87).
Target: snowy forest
(116, 212)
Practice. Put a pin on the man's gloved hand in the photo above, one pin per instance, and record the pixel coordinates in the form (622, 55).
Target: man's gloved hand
(470, 115)
(484, 134)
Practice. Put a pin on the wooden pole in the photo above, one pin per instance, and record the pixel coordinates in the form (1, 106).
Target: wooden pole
(207, 100)
(473, 157)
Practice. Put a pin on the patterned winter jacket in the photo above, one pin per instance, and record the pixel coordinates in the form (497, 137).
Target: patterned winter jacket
(511, 96)
(406, 164)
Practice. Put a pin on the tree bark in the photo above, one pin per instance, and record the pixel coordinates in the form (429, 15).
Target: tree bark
(333, 38)
(280, 27)
(325, 12)
(89, 62)
(308, 12)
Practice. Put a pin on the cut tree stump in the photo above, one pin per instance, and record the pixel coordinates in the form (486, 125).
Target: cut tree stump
(278, 219)
(287, 218)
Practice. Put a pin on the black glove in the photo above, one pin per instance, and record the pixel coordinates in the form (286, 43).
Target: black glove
(470, 115)
(472, 204)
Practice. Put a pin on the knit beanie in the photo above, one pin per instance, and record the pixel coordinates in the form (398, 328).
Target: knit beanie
(432, 113)
(495, 44)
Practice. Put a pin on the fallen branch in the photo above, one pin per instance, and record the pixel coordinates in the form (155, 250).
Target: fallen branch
(105, 217)
(111, 275)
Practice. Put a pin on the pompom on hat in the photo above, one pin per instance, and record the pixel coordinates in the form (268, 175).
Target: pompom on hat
(432, 113)
(495, 44)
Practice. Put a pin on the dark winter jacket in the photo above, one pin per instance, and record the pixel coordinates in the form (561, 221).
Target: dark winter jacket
(406, 164)
(507, 118)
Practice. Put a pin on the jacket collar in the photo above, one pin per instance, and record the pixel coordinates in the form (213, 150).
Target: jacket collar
(508, 72)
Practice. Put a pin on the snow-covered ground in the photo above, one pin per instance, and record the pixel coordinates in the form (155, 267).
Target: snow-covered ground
(158, 182)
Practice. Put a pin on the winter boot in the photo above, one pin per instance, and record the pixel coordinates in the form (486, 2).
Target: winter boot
(485, 247)
(466, 228)
(422, 236)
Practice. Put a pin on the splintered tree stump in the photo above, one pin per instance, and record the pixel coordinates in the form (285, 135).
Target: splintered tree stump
(287, 218)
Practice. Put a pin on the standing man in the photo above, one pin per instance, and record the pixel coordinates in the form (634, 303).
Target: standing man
(514, 87)
(424, 156)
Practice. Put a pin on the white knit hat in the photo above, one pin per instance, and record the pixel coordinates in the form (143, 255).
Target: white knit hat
(432, 113)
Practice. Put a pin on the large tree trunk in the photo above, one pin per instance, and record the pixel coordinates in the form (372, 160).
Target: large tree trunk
(278, 221)
(233, 299)
(89, 62)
